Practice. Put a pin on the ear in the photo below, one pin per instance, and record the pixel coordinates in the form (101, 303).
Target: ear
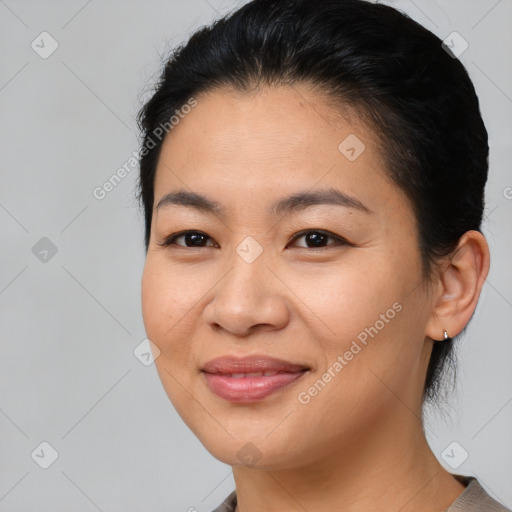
(459, 286)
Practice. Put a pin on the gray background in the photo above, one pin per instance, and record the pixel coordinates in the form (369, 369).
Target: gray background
(70, 321)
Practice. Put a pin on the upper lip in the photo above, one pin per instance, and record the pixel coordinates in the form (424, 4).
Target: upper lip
(250, 364)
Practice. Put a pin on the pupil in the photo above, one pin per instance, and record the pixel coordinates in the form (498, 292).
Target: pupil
(316, 238)
(194, 237)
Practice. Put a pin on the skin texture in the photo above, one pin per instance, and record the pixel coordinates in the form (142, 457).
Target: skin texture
(358, 444)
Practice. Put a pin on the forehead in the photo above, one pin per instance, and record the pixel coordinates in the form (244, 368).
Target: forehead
(294, 121)
(270, 142)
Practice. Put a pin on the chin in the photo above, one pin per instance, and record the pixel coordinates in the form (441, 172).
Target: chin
(256, 451)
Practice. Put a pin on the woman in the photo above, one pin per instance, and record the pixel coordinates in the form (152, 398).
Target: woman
(312, 177)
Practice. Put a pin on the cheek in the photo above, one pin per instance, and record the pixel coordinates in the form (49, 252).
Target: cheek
(348, 299)
(361, 357)
(362, 312)
(167, 297)
(167, 304)
(153, 301)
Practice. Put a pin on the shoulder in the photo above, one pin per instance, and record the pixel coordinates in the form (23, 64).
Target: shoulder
(475, 499)
(228, 505)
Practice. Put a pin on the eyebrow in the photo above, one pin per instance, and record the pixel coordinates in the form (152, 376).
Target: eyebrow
(295, 202)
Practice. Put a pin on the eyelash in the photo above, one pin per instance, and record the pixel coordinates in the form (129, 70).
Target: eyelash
(171, 240)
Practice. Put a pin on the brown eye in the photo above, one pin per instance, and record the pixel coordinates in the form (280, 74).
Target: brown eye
(319, 239)
(191, 239)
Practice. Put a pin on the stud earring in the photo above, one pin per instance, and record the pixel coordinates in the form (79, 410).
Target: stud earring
(445, 335)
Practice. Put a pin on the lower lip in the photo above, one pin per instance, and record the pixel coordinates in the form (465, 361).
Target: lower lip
(248, 389)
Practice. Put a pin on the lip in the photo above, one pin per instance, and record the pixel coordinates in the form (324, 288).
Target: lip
(249, 364)
(227, 376)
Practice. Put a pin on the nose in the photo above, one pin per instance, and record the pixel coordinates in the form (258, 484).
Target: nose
(249, 297)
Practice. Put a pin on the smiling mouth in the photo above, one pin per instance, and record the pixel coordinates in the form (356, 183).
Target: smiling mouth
(249, 387)
(250, 379)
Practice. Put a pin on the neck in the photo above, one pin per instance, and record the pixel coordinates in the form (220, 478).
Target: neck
(388, 467)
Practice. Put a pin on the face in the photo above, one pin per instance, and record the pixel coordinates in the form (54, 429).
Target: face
(300, 260)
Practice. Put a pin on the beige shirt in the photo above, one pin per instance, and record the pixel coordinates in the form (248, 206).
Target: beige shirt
(473, 499)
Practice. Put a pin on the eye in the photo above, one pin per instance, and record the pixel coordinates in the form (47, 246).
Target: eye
(314, 239)
(318, 239)
(194, 238)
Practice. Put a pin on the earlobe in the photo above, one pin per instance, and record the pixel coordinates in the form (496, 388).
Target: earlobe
(460, 284)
